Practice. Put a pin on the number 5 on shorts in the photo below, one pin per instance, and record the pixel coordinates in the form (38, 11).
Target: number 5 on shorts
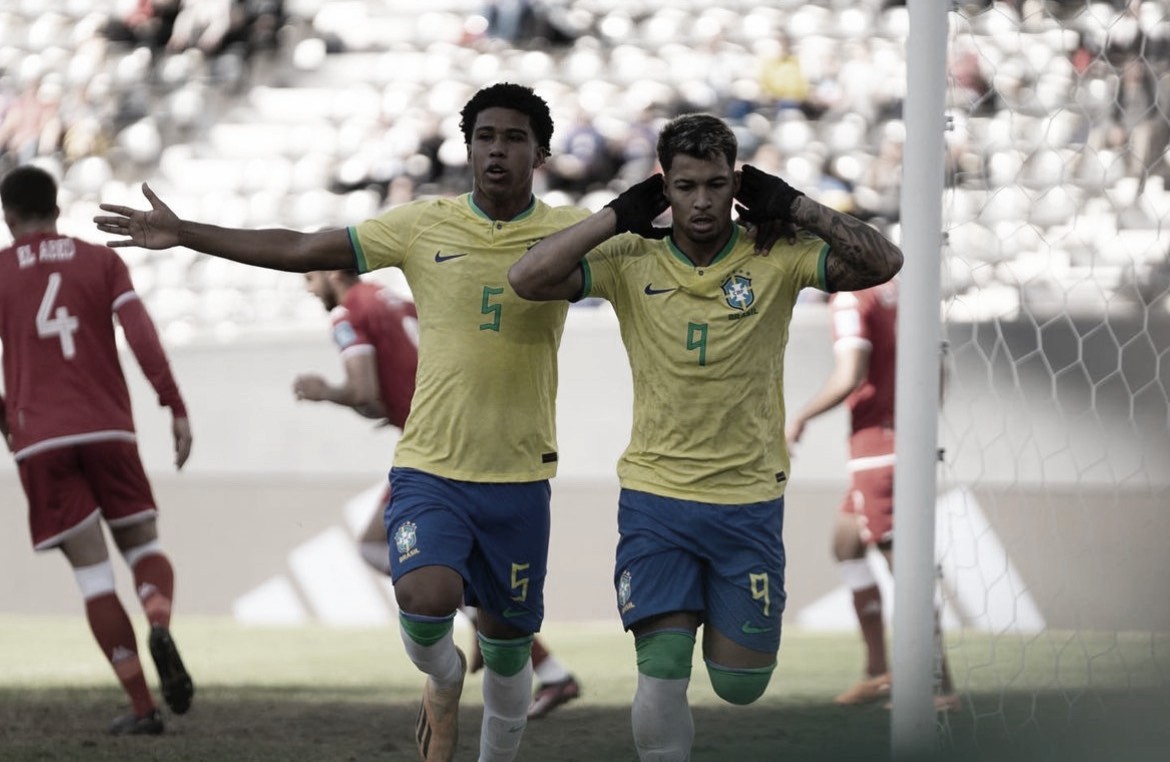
(519, 584)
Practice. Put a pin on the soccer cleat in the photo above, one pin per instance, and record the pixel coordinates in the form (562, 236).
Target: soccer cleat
(551, 695)
(437, 727)
(866, 691)
(149, 724)
(946, 702)
(177, 688)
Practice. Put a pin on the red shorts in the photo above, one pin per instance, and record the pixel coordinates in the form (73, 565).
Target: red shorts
(871, 490)
(67, 485)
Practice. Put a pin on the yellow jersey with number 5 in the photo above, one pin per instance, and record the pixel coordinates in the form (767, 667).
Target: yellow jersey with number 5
(483, 407)
(706, 348)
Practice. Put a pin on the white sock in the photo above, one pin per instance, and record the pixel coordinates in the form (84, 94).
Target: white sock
(95, 580)
(663, 727)
(505, 713)
(551, 671)
(439, 661)
(856, 573)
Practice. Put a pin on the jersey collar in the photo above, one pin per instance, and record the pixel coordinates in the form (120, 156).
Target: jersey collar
(528, 210)
(727, 247)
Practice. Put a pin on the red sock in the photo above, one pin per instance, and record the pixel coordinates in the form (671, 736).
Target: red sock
(539, 653)
(154, 579)
(867, 602)
(115, 636)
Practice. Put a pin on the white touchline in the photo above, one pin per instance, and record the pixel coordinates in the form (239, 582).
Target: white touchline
(336, 582)
(982, 582)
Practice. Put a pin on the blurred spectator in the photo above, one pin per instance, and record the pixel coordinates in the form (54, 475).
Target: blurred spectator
(583, 161)
(263, 20)
(509, 20)
(638, 156)
(783, 83)
(143, 22)
(878, 191)
(31, 125)
(1134, 113)
(204, 24)
(972, 89)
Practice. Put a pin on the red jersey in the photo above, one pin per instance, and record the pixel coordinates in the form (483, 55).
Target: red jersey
(372, 319)
(63, 379)
(869, 318)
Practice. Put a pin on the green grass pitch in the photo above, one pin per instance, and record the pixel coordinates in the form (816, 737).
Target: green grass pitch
(312, 693)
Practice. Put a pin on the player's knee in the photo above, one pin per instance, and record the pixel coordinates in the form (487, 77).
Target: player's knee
(665, 654)
(95, 580)
(739, 686)
(505, 657)
(430, 591)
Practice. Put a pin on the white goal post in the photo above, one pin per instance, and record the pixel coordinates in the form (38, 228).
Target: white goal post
(1036, 227)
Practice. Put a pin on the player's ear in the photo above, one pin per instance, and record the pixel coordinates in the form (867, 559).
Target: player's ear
(542, 155)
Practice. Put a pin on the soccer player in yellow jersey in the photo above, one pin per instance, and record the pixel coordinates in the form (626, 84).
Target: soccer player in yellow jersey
(468, 520)
(704, 318)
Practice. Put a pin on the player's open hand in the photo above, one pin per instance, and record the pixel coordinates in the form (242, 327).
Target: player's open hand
(157, 228)
(764, 197)
(638, 205)
(181, 431)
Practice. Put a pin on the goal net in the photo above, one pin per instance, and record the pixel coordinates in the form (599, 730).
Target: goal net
(1054, 488)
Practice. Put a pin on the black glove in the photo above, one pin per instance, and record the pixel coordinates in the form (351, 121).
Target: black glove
(764, 197)
(638, 205)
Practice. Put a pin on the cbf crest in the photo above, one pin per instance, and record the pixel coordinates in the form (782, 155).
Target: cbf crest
(623, 592)
(737, 291)
(406, 540)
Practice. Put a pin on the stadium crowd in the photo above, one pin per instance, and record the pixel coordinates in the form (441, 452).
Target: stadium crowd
(290, 112)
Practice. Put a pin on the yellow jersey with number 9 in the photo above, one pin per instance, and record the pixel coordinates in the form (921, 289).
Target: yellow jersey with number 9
(706, 348)
(485, 392)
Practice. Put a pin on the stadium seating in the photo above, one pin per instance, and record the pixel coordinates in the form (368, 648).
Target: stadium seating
(362, 95)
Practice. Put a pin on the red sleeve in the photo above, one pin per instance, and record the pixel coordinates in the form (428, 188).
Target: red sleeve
(148, 350)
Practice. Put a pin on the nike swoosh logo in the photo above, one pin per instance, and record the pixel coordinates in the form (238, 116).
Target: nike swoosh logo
(511, 613)
(750, 629)
(439, 257)
(651, 291)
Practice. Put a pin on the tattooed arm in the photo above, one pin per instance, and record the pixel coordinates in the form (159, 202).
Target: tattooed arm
(859, 256)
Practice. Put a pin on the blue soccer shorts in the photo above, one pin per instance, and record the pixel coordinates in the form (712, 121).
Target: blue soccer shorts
(495, 534)
(725, 562)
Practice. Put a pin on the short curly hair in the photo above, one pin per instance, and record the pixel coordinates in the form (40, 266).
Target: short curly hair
(514, 97)
(702, 136)
(29, 192)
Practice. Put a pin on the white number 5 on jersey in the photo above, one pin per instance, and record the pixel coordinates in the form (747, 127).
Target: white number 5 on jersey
(57, 322)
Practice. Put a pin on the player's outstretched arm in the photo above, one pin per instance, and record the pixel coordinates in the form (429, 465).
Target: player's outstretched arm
(859, 255)
(549, 270)
(276, 248)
